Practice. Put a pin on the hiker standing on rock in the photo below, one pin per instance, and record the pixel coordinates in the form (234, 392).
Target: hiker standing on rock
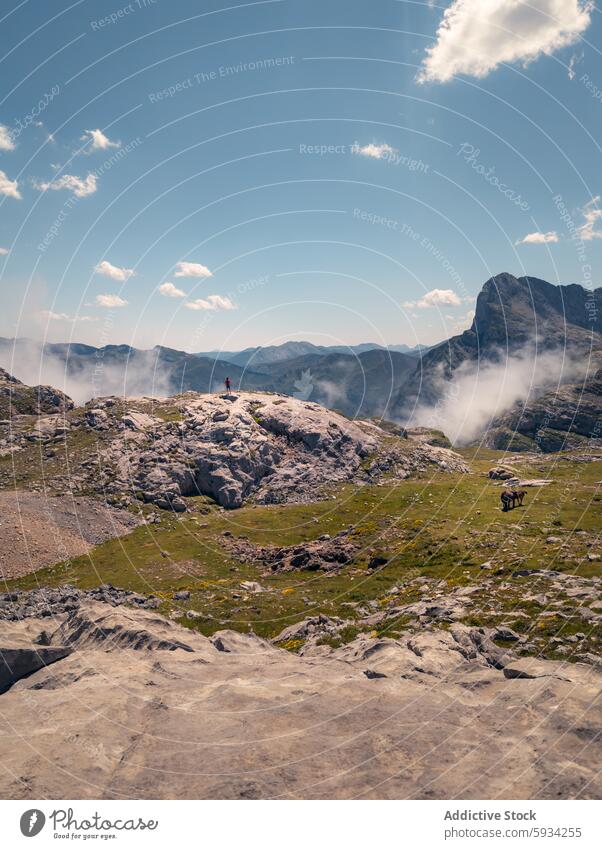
(228, 385)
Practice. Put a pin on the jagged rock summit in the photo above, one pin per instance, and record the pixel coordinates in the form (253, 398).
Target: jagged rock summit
(511, 314)
(233, 446)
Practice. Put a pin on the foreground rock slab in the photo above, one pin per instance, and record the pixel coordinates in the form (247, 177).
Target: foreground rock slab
(143, 708)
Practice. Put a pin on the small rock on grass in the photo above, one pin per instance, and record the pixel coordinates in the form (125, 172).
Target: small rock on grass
(181, 595)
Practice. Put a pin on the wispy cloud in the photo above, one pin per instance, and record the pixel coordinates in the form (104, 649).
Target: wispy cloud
(96, 140)
(80, 188)
(110, 301)
(171, 291)
(538, 238)
(3, 251)
(212, 302)
(373, 151)
(436, 298)
(8, 187)
(107, 269)
(475, 36)
(192, 269)
(6, 141)
(591, 215)
(576, 58)
(62, 316)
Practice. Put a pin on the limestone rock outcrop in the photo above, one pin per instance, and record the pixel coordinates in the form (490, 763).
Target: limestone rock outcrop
(17, 398)
(139, 707)
(230, 447)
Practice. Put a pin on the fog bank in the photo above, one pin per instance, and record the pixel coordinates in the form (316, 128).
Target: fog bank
(479, 392)
(90, 376)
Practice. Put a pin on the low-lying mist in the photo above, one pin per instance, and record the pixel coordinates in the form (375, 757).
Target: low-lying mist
(90, 376)
(479, 392)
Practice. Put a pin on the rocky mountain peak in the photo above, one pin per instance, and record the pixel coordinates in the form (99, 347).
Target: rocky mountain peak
(512, 311)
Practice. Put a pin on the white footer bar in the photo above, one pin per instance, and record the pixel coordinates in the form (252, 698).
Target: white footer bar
(302, 824)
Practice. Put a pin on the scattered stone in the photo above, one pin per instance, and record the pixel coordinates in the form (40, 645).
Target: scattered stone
(140, 421)
(499, 473)
(377, 561)
(327, 555)
(252, 587)
(315, 626)
(371, 673)
(50, 603)
(505, 633)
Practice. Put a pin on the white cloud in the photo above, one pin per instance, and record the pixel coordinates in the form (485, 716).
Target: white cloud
(62, 316)
(575, 60)
(592, 215)
(475, 36)
(171, 291)
(98, 141)
(10, 188)
(113, 271)
(192, 269)
(110, 301)
(6, 141)
(538, 238)
(3, 251)
(80, 188)
(463, 323)
(374, 151)
(436, 298)
(212, 302)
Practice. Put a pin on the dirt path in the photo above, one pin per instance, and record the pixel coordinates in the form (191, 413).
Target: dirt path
(38, 530)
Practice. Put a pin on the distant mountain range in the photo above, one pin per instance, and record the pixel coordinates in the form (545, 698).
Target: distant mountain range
(517, 321)
(256, 357)
(360, 382)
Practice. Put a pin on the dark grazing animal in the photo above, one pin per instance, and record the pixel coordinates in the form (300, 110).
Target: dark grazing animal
(510, 498)
(518, 494)
(507, 499)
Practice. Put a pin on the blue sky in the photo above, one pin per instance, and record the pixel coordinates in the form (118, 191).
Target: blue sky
(338, 171)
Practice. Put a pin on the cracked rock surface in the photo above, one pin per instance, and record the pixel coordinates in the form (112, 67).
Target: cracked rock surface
(139, 707)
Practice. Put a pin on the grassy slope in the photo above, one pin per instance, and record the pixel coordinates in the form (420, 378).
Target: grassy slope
(440, 527)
